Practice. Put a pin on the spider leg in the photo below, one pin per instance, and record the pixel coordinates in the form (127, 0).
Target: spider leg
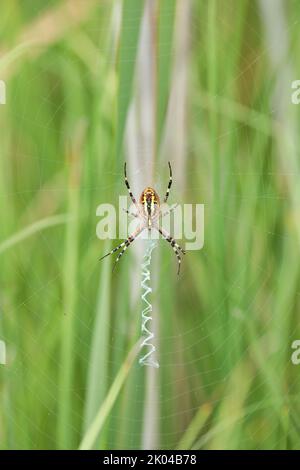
(174, 245)
(178, 259)
(169, 210)
(169, 184)
(171, 240)
(124, 245)
(128, 186)
(112, 251)
(130, 213)
(127, 243)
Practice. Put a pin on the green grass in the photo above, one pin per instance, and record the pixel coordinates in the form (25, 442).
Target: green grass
(226, 325)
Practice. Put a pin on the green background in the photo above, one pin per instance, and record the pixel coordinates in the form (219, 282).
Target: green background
(221, 75)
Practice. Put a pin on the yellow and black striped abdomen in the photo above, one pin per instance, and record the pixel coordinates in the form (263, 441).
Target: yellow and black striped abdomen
(150, 201)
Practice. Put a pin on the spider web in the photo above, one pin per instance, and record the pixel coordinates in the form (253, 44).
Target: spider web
(191, 333)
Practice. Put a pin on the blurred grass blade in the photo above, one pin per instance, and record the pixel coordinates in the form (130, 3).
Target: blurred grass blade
(166, 18)
(93, 431)
(70, 272)
(33, 229)
(9, 57)
(232, 406)
(131, 20)
(98, 373)
(194, 428)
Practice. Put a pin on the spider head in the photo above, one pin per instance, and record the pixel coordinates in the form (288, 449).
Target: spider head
(150, 201)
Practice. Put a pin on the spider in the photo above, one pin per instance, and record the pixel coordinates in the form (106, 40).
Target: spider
(148, 210)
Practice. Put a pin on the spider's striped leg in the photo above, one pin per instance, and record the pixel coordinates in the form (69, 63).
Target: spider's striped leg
(124, 244)
(112, 251)
(128, 186)
(171, 240)
(178, 259)
(169, 184)
(127, 243)
(169, 210)
(130, 213)
(174, 245)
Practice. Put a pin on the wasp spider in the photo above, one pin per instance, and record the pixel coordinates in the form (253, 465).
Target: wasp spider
(148, 211)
